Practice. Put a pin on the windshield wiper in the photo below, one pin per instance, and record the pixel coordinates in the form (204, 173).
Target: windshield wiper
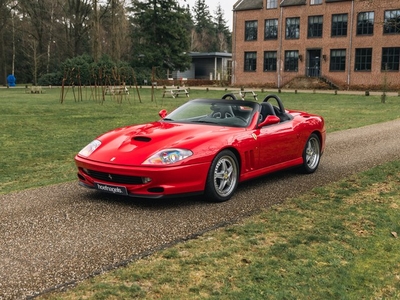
(206, 122)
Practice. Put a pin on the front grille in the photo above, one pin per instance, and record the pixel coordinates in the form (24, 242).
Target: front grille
(115, 178)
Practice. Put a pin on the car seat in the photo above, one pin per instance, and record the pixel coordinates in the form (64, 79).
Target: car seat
(266, 109)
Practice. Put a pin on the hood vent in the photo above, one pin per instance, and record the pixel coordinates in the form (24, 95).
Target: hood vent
(141, 138)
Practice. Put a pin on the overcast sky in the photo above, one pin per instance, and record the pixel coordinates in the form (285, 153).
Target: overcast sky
(226, 5)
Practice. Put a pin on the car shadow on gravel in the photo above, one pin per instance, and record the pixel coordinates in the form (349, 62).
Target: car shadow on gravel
(97, 196)
(260, 185)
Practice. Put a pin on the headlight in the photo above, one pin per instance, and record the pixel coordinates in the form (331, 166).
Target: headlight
(168, 156)
(89, 149)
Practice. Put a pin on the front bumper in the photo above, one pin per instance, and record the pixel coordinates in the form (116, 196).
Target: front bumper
(143, 182)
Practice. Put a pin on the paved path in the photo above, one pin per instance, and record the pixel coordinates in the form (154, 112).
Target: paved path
(60, 234)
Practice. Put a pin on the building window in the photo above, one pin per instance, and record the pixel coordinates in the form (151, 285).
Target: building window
(363, 59)
(272, 4)
(315, 2)
(250, 31)
(339, 25)
(338, 60)
(390, 59)
(291, 60)
(315, 26)
(392, 21)
(271, 29)
(270, 61)
(293, 28)
(250, 61)
(365, 23)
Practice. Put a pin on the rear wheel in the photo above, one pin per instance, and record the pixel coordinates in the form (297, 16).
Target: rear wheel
(222, 177)
(311, 154)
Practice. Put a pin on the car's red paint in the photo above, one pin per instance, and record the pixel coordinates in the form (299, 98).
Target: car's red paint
(260, 147)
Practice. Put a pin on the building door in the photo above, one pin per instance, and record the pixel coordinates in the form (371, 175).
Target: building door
(313, 63)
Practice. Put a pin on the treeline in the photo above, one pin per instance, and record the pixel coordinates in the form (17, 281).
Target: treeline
(42, 41)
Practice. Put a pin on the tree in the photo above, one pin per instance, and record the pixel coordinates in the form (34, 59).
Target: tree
(203, 37)
(39, 23)
(96, 46)
(37, 36)
(76, 20)
(209, 34)
(222, 33)
(202, 16)
(160, 36)
(115, 25)
(5, 16)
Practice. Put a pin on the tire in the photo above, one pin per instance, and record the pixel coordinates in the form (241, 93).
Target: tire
(223, 177)
(311, 154)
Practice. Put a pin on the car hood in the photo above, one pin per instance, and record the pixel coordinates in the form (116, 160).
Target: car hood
(132, 145)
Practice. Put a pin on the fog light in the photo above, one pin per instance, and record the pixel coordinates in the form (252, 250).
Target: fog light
(146, 179)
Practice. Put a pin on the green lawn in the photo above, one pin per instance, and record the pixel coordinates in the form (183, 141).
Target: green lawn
(39, 136)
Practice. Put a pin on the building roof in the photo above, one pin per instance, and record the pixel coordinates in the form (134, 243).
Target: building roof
(209, 54)
(248, 4)
(259, 4)
(293, 2)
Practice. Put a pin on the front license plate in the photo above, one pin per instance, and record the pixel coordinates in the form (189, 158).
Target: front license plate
(113, 189)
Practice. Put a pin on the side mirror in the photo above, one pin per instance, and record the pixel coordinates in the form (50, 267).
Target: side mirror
(269, 120)
(162, 113)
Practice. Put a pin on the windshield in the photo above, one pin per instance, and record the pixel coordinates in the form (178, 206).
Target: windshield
(222, 112)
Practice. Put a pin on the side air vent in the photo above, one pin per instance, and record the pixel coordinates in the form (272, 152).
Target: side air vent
(249, 161)
(141, 138)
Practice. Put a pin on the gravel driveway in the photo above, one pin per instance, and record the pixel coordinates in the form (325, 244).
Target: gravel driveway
(57, 235)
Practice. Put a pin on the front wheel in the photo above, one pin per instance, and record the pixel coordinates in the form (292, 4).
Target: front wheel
(311, 154)
(223, 177)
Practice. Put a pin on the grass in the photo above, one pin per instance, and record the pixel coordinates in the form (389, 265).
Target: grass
(39, 136)
(326, 244)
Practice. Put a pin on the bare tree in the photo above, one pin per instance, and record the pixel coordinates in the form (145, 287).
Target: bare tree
(119, 29)
(96, 46)
(76, 21)
(4, 16)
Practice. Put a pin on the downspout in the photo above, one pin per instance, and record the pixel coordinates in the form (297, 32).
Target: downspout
(280, 46)
(233, 65)
(215, 67)
(350, 45)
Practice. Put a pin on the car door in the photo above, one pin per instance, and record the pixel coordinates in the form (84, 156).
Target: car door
(278, 143)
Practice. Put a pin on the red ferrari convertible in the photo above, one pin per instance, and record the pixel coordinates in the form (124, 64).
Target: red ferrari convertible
(205, 146)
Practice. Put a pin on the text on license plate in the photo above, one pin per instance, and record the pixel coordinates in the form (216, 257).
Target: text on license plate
(113, 189)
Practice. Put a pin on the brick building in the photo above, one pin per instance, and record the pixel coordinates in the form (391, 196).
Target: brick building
(351, 43)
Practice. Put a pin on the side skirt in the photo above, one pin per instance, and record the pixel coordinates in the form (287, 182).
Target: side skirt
(271, 169)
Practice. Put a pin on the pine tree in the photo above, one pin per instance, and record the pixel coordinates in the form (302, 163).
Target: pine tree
(160, 34)
(209, 34)
(222, 32)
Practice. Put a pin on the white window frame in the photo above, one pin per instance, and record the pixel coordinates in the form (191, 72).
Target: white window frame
(315, 2)
(272, 4)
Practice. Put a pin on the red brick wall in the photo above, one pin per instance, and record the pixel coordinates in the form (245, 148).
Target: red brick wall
(345, 79)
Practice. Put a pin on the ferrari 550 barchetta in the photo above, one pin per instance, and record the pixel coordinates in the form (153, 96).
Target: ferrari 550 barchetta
(205, 146)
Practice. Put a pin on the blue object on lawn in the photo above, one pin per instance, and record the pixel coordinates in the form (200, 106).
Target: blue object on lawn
(11, 80)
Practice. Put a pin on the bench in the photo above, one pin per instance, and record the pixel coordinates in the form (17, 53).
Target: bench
(242, 94)
(175, 92)
(112, 90)
(36, 90)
